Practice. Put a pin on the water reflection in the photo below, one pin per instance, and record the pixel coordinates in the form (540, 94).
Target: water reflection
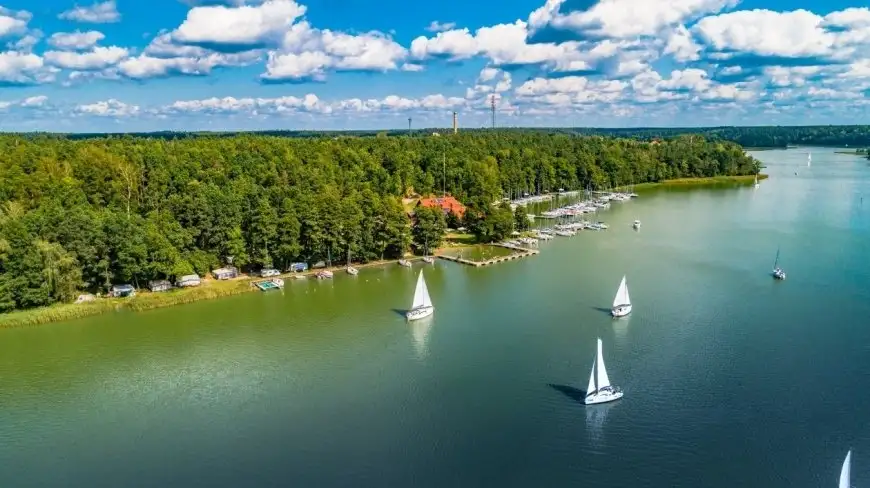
(620, 327)
(596, 417)
(420, 335)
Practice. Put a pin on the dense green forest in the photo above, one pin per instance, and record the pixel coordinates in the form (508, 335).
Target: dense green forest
(84, 214)
(758, 136)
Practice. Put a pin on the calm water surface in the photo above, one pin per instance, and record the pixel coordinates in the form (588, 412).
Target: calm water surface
(731, 379)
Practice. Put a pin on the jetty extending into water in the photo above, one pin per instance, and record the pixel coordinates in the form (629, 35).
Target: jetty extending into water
(518, 252)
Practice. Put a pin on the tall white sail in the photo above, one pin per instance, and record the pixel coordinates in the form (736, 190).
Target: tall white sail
(846, 471)
(421, 294)
(590, 388)
(809, 159)
(602, 379)
(621, 297)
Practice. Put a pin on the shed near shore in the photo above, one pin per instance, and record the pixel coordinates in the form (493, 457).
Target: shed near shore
(159, 285)
(227, 273)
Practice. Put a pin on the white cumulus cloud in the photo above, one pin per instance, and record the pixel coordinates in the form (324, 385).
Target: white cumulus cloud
(77, 40)
(97, 13)
(109, 108)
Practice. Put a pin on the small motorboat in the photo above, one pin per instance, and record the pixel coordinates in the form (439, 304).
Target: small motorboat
(324, 275)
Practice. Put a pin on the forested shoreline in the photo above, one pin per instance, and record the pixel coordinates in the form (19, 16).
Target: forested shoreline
(80, 215)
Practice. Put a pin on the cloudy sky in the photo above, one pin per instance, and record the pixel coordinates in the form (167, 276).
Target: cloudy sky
(138, 65)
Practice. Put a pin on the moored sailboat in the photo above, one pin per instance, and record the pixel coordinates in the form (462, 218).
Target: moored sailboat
(621, 302)
(350, 269)
(599, 389)
(421, 306)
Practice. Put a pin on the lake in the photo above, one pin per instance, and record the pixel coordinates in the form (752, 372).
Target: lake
(730, 378)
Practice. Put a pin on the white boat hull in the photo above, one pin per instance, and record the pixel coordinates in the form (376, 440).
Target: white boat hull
(419, 313)
(603, 397)
(620, 310)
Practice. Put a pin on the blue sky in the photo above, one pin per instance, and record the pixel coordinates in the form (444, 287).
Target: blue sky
(124, 65)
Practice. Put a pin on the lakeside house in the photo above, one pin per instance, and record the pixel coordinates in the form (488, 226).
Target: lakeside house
(159, 285)
(448, 204)
(188, 280)
(121, 291)
(226, 273)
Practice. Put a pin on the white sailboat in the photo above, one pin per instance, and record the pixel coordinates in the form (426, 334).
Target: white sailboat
(599, 389)
(756, 181)
(621, 302)
(846, 471)
(778, 272)
(422, 304)
(809, 159)
(350, 269)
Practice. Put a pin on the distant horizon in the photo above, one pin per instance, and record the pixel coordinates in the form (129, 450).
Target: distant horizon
(401, 131)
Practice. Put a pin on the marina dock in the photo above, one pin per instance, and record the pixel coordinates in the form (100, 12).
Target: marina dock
(519, 252)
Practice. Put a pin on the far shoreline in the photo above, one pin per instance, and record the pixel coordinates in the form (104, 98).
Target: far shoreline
(211, 288)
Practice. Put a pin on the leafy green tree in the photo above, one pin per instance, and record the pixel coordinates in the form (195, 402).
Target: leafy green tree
(453, 220)
(521, 219)
(429, 229)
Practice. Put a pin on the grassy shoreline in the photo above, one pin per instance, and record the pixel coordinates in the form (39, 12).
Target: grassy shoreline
(698, 182)
(145, 300)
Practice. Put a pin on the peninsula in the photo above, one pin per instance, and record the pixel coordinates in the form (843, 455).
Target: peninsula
(82, 215)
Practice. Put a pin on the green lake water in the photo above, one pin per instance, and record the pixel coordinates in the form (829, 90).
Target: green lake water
(731, 379)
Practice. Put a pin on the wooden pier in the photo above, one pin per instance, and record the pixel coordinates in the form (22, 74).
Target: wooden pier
(519, 252)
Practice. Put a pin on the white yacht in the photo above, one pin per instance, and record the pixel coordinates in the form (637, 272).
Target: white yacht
(621, 302)
(778, 272)
(422, 304)
(636, 224)
(846, 471)
(599, 389)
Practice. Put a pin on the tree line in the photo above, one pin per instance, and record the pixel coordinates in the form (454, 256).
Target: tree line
(84, 214)
(755, 136)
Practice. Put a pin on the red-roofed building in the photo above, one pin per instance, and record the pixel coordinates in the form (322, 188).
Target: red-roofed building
(446, 204)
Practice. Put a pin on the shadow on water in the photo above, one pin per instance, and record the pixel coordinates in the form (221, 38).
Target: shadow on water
(401, 312)
(602, 310)
(569, 391)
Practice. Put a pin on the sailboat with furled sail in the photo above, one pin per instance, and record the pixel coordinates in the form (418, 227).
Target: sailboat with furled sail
(422, 304)
(778, 272)
(846, 471)
(621, 302)
(599, 389)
